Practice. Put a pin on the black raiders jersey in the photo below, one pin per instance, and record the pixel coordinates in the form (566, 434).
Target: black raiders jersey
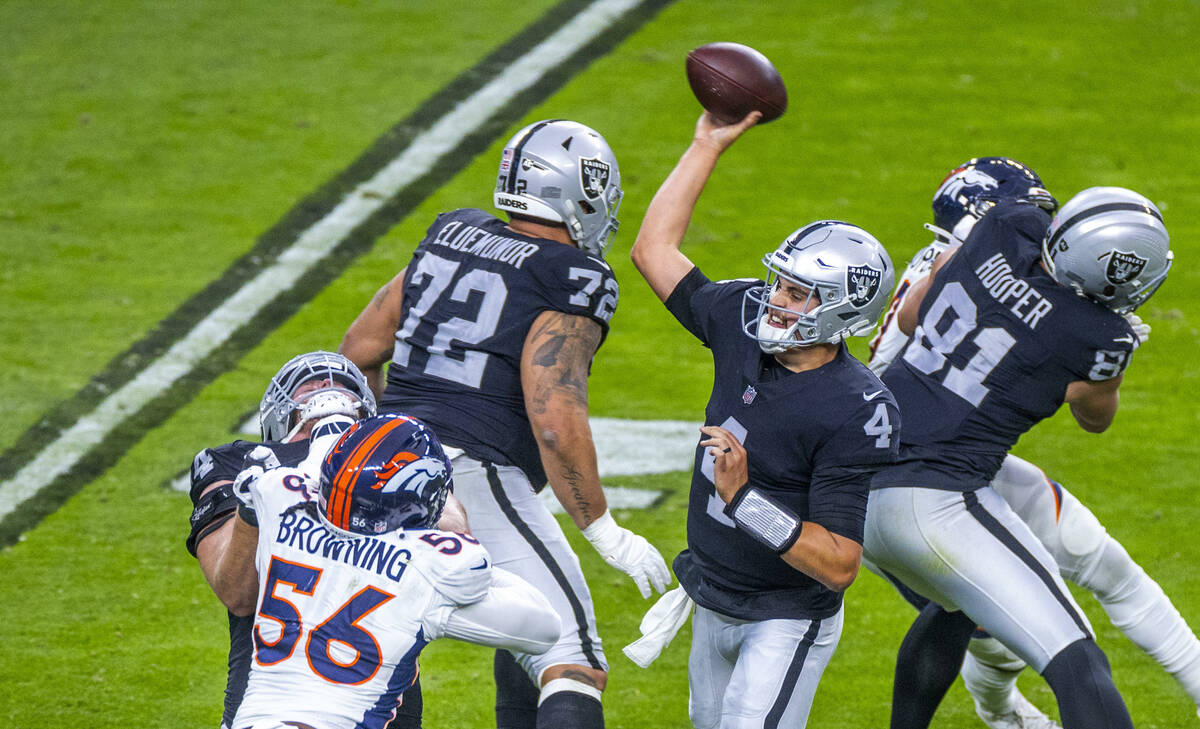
(813, 439)
(210, 466)
(997, 343)
(471, 294)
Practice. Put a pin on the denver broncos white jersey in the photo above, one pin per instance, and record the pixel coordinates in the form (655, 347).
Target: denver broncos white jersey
(889, 340)
(341, 619)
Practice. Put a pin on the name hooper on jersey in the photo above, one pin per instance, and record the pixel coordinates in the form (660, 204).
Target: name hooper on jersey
(997, 277)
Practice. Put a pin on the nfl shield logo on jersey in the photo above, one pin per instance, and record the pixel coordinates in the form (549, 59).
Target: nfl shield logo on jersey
(861, 284)
(749, 395)
(1124, 267)
(594, 175)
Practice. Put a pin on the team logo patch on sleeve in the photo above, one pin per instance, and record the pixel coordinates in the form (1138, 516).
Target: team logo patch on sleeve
(594, 175)
(1124, 267)
(862, 282)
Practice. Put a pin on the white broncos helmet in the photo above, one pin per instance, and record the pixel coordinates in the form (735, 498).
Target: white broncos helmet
(1110, 245)
(841, 264)
(279, 414)
(563, 172)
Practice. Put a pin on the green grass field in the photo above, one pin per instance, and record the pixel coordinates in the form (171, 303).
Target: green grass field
(145, 147)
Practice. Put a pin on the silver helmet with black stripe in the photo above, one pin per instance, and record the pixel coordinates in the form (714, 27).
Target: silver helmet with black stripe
(848, 277)
(562, 172)
(305, 380)
(1109, 244)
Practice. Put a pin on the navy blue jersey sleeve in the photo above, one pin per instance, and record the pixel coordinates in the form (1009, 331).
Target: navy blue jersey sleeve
(679, 303)
(838, 501)
(1105, 347)
(574, 282)
(213, 465)
(708, 308)
(865, 443)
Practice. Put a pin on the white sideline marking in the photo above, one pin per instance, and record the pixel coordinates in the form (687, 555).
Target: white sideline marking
(623, 448)
(313, 245)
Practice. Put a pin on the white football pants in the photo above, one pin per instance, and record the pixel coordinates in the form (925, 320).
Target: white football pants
(1089, 557)
(756, 674)
(523, 537)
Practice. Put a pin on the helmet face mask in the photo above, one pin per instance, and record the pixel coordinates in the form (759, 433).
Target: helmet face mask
(978, 185)
(847, 274)
(299, 381)
(562, 172)
(385, 473)
(1110, 245)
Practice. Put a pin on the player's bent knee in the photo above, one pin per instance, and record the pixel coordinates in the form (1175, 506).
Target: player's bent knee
(992, 652)
(580, 679)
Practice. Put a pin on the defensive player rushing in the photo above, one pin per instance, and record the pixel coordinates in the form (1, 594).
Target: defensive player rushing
(304, 390)
(490, 331)
(1082, 549)
(354, 580)
(795, 429)
(1024, 315)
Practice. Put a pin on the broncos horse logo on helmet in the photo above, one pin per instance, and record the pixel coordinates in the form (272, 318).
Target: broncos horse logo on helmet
(976, 186)
(385, 473)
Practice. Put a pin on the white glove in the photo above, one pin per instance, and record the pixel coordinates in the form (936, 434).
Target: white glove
(629, 553)
(244, 481)
(1141, 329)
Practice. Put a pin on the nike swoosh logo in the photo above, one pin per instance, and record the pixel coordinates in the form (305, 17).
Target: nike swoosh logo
(869, 398)
(1127, 339)
(482, 566)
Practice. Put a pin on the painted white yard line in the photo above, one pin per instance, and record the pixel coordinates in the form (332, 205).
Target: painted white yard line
(313, 245)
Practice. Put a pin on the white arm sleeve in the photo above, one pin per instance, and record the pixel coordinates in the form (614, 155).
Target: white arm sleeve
(513, 615)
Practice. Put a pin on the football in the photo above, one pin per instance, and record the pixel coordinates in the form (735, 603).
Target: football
(731, 80)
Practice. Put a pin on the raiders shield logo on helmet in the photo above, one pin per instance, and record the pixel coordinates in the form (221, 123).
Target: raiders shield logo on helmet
(1123, 267)
(594, 175)
(862, 283)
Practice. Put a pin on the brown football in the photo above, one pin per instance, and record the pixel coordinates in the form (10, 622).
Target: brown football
(731, 80)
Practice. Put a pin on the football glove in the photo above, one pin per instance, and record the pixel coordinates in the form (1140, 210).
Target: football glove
(1141, 329)
(629, 553)
(241, 490)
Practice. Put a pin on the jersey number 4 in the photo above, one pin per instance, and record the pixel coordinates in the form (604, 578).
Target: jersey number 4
(929, 347)
(354, 666)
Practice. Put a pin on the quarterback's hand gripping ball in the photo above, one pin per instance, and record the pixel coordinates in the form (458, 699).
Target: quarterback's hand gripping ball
(731, 80)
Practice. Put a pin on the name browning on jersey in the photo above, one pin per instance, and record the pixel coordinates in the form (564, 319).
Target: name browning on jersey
(301, 532)
(996, 275)
(479, 242)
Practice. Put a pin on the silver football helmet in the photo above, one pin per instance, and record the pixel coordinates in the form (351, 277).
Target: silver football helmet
(279, 412)
(843, 266)
(1110, 245)
(563, 172)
